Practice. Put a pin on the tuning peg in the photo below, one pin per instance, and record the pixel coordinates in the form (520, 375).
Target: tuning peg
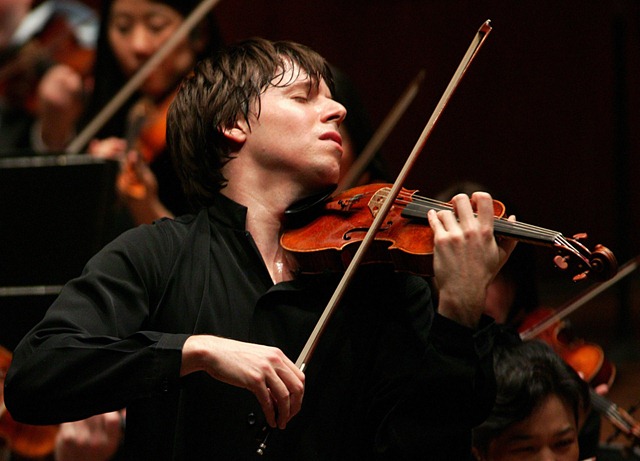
(561, 262)
(582, 276)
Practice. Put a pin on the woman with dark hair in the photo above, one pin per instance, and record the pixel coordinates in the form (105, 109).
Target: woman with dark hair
(539, 406)
(131, 32)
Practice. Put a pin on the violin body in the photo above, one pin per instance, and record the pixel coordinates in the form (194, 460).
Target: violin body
(586, 358)
(147, 126)
(330, 240)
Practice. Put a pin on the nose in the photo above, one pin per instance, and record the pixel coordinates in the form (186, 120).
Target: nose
(141, 42)
(547, 454)
(336, 112)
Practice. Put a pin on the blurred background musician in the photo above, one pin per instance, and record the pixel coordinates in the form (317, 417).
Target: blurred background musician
(33, 37)
(539, 407)
(356, 131)
(131, 31)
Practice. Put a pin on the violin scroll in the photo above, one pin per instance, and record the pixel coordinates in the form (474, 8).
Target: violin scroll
(603, 263)
(599, 264)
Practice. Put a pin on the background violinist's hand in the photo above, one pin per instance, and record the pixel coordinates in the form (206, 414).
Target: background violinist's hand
(109, 148)
(602, 389)
(93, 439)
(466, 256)
(138, 187)
(265, 371)
(60, 103)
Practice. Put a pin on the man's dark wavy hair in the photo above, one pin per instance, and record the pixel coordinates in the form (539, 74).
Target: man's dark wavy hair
(220, 90)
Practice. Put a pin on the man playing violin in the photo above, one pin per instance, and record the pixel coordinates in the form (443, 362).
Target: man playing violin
(181, 321)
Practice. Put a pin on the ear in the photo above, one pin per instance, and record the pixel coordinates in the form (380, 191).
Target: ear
(237, 132)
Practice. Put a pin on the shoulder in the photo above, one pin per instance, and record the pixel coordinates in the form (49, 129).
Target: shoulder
(164, 237)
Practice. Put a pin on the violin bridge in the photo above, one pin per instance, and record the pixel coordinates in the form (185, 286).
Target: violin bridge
(377, 199)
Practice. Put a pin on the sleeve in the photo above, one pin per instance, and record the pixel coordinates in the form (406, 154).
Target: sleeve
(450, 391)
(90, 353)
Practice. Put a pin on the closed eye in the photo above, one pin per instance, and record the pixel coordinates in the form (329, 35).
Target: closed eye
(563, 443)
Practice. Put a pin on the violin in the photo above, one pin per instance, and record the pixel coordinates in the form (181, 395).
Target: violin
(147, 127)
(146, 134)
(328, 239)
(55, 43)
(589, 360)
(24, 440)
(586, 358)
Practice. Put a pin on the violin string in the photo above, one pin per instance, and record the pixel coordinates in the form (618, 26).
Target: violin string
(610, 409)
(501, 224)
(563, 242)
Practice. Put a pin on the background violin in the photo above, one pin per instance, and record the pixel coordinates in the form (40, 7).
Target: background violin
(22, 439)
(55, 42)
(587, 358)
(147, 129)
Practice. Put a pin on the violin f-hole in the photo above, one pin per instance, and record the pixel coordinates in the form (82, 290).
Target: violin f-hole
(347, 234)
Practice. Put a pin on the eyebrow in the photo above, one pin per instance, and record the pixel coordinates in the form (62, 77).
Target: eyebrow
(523, 437)
(299, 84)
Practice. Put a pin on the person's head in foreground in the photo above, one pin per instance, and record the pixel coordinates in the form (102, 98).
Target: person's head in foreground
(538, 407)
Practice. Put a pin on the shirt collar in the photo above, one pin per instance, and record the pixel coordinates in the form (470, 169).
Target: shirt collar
(227, 212)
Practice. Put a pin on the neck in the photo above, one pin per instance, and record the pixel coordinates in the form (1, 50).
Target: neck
(265, 215)
(267, 194)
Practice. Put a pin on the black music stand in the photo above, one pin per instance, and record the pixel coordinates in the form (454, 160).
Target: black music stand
(55, 213)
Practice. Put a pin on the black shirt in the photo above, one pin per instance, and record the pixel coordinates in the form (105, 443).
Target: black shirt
(390, 378)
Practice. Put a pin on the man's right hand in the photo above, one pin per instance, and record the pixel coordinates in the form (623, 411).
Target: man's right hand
(265, 371)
